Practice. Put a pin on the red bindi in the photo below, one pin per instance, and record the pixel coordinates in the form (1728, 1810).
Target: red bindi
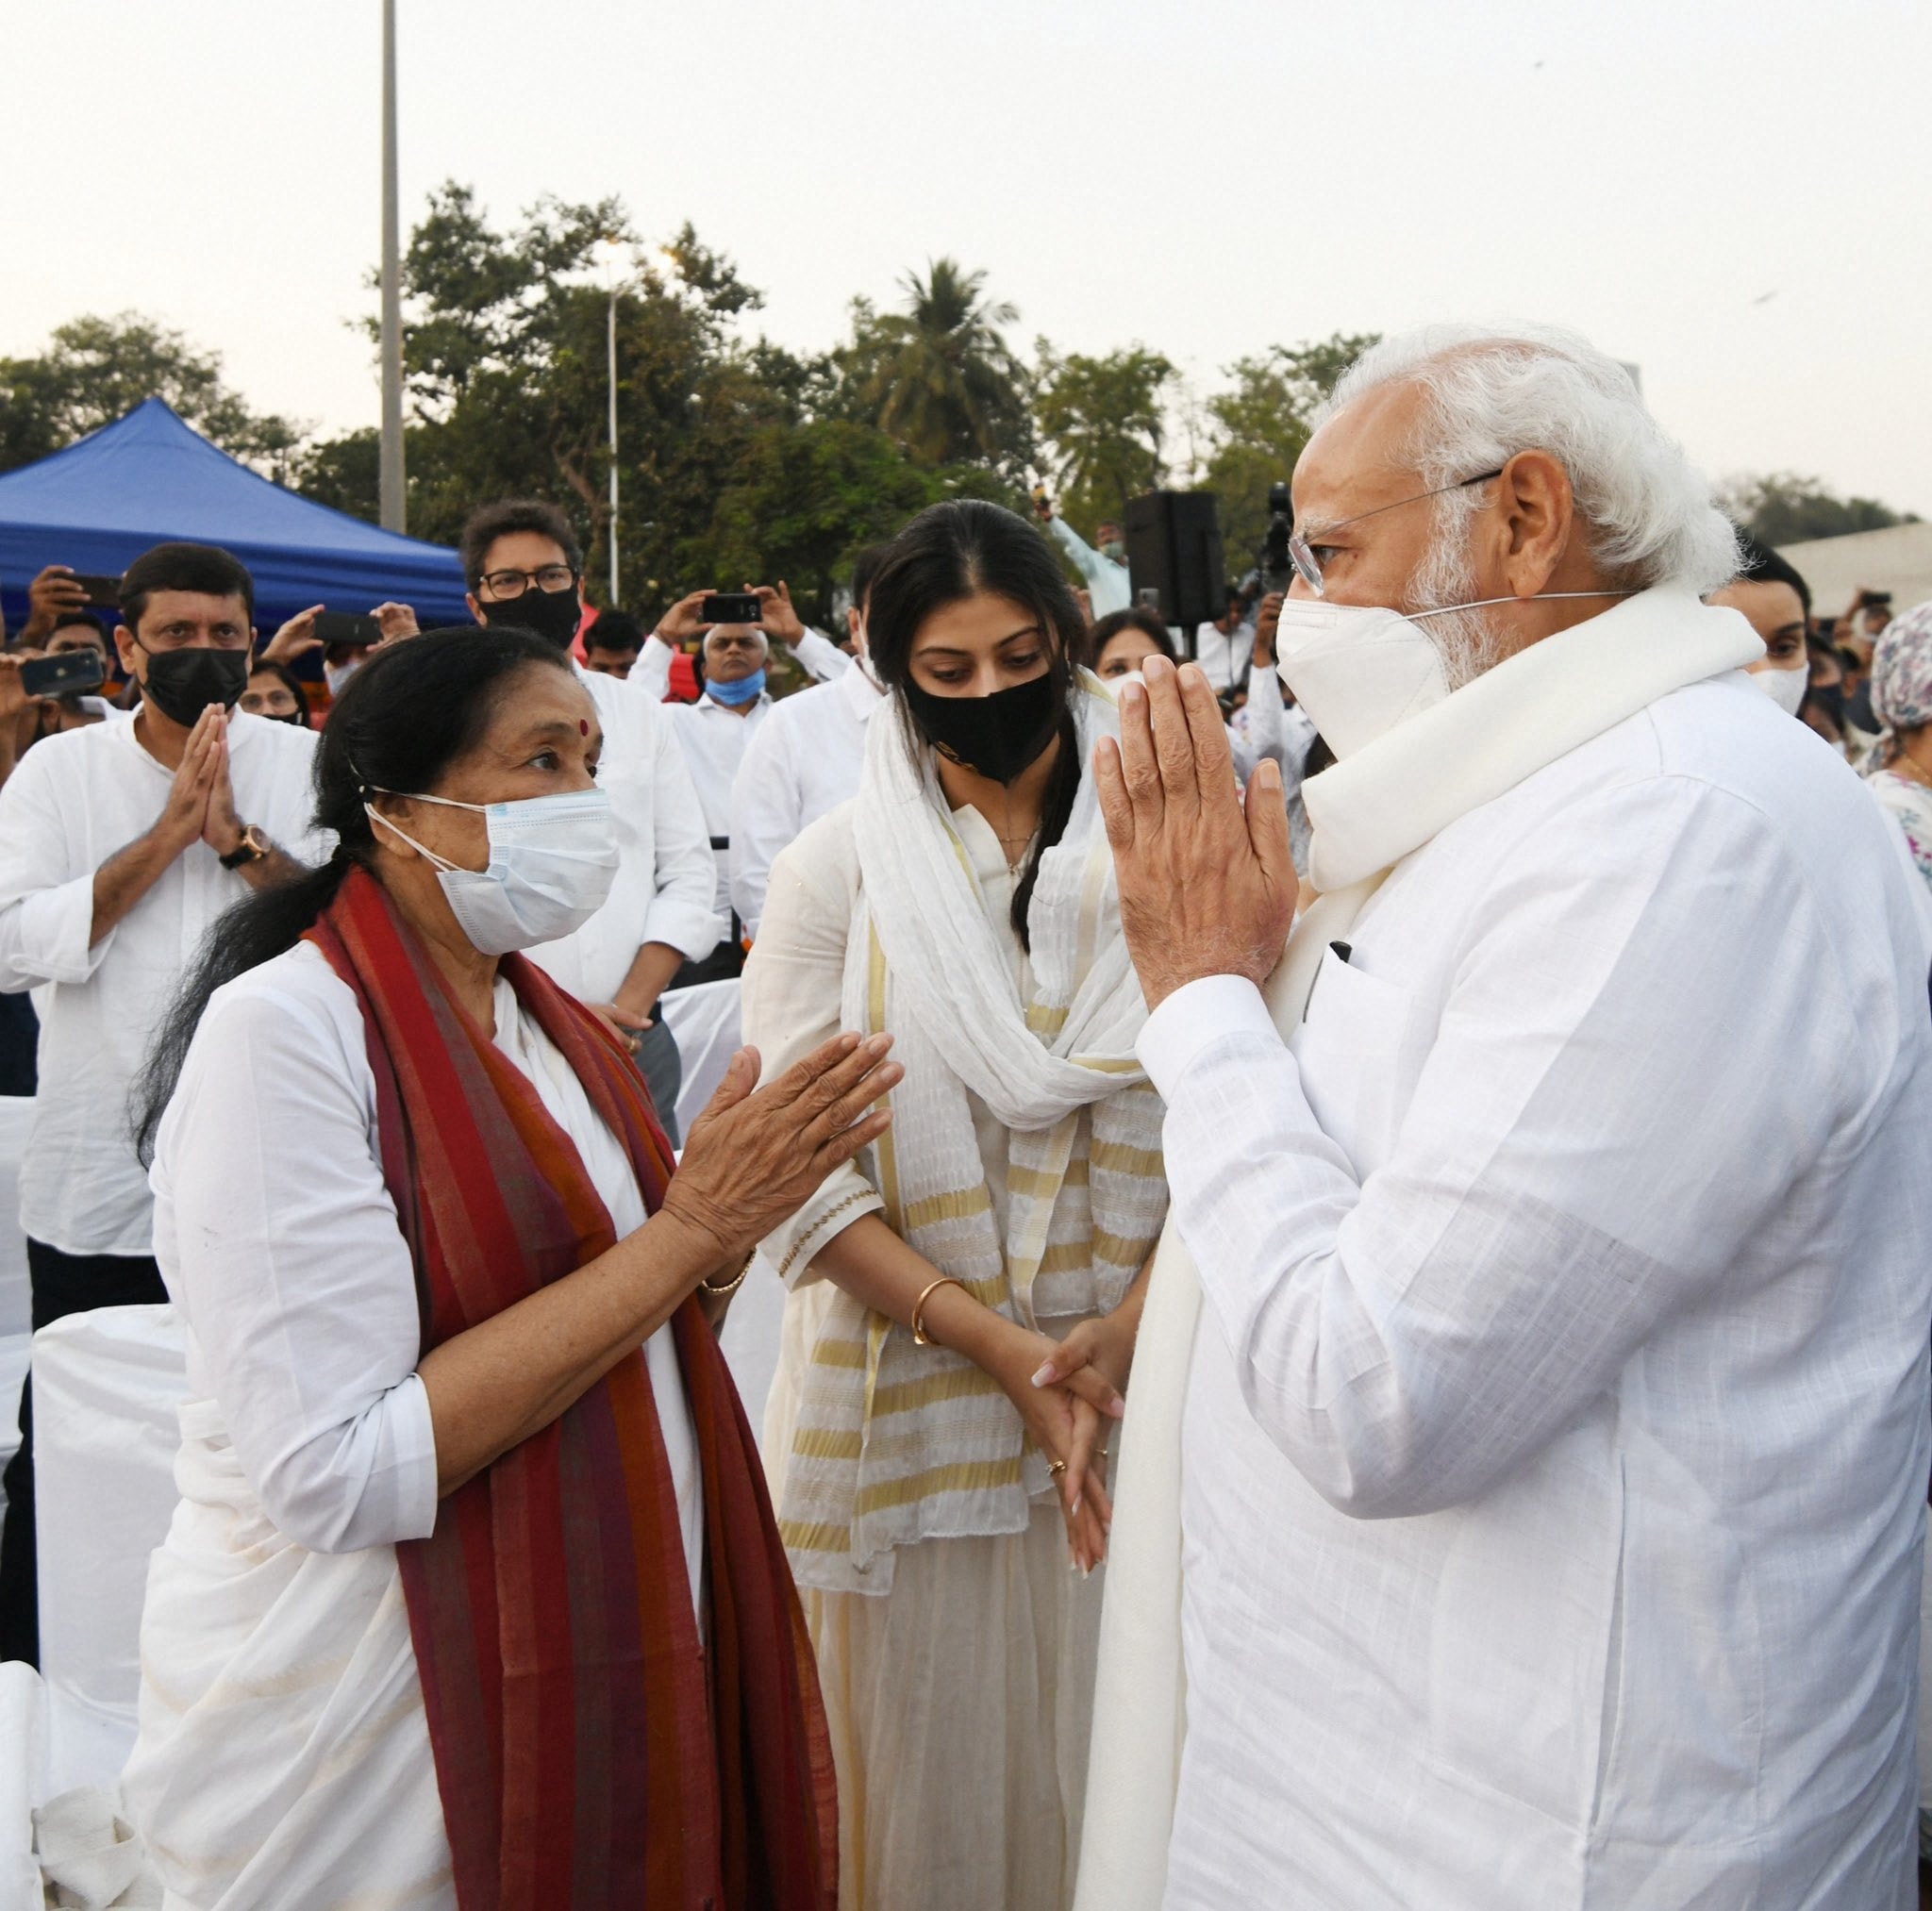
(583, 726)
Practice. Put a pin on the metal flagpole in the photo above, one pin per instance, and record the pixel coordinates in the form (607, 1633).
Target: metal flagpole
(614, 448)
(391, 496)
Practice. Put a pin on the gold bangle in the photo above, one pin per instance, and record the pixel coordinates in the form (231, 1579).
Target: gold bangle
(732, 1285)
(920, 1336)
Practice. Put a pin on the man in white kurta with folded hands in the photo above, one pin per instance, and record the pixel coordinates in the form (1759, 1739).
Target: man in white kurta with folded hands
(1526, 1456)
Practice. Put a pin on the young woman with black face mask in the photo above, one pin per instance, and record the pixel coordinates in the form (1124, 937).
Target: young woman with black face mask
(965, 1295)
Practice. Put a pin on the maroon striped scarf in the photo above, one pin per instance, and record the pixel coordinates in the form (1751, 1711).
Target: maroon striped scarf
(588, 1750)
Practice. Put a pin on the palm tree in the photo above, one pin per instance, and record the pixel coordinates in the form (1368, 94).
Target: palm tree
(941, 378)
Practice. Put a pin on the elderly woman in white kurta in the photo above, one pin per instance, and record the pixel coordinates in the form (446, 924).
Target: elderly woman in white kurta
(473, 1597)
(924, 1411)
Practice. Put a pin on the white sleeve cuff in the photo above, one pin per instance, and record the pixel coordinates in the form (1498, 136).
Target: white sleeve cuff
(1196, 1017)
(414, 1429)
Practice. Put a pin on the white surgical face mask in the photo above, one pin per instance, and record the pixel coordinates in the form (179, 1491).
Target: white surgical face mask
(1785, 687)
(337, 675)
(552, 861)
(1360, 669)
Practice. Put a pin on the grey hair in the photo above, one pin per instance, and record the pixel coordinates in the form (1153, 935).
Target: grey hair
(1489, 392)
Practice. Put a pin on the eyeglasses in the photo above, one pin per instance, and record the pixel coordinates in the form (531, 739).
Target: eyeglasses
(268, 703)
(511, 584)
(1301, 554)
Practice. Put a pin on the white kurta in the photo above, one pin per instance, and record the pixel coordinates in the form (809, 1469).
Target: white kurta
(804, 761)
(666, 880)
(1556, 1449)
(74, 802)
(284, 1755)
(714, 741)
(960, 1702)
(1109, 586)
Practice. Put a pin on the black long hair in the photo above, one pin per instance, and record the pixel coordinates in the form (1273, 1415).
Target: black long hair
(402, 719)
(960, 549)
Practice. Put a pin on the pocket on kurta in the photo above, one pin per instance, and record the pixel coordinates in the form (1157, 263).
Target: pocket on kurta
(1360, 1049)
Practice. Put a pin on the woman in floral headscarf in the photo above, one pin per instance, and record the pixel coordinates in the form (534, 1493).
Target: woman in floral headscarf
(1902, 697)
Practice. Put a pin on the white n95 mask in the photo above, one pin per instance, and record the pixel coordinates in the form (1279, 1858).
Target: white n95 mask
(1360, 669)
(1785, 687)
(1357, 669)
(552, 861)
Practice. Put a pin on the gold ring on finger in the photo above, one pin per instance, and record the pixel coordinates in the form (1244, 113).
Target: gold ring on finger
(1057, 1469)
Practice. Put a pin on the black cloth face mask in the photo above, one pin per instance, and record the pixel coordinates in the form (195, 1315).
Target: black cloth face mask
(183, 683)
(1001, 736)
(554, 615)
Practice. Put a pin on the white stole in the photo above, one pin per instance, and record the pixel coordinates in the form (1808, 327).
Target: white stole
(1369, 811)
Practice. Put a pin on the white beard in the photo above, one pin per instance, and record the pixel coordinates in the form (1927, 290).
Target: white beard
(1468, 641)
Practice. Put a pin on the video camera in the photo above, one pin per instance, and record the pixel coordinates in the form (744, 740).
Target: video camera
(1271, 566)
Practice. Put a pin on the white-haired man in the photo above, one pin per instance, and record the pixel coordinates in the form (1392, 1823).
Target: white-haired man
(713, 732)
(1553, 1440)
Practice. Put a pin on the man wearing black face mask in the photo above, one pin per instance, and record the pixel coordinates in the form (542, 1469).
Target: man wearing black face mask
(523, 567)
(119, 845)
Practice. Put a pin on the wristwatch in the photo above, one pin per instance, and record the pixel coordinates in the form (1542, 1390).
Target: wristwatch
(253, 847)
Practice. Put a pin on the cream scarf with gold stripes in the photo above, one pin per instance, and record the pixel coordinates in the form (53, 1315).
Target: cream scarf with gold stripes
(895, 1444)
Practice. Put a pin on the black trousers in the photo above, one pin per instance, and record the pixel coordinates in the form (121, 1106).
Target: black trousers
(63, 1285)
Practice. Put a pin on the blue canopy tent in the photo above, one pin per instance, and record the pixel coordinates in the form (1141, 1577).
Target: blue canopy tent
(150, 477)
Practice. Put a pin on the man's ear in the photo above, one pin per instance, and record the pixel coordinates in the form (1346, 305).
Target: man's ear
(125, 647)
(1537, 514)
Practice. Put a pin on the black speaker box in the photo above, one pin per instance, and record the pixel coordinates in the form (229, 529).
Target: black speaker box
(1174, 549)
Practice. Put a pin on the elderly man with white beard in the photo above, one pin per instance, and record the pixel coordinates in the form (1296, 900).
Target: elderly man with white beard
(1525, 1457)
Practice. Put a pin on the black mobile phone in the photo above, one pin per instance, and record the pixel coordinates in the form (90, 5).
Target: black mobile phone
(731, 607)
(99, 589)
(342, 626)
(68, 673)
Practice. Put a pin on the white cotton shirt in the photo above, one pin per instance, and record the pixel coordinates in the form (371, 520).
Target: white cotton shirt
(76, 801)
(666, 878)
(1555, 1456)
(713, 739)
(1108, 584)
(280, 1246)
(805, 760)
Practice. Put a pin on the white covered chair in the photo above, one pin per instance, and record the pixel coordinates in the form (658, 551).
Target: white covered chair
(703, 1021)
(107, 1386)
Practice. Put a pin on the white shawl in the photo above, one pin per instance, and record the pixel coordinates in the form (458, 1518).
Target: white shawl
(894, 1443)
(1369, 812)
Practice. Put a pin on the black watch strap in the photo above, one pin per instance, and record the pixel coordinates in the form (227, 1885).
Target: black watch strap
(249, 850)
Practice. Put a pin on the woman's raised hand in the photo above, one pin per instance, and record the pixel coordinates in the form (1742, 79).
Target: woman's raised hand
(757, 1154)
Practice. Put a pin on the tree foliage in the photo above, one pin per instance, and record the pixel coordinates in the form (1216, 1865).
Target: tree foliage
(1261, 422)
(1780, 508)
(938, 377)
(1102, 422)
(738, 461)
(96, 370)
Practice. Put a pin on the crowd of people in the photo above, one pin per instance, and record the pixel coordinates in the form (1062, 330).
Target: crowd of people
(1482, 1041)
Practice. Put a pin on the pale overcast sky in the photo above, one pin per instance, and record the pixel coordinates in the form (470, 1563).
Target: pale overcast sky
(1733, 194)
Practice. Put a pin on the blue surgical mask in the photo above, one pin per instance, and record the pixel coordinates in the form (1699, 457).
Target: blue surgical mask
(552, 861)
(746, 690)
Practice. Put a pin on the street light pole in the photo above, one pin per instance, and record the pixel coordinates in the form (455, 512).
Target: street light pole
(614, 448)
(391, 477)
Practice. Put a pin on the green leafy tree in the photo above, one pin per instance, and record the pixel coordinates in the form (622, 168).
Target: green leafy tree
(504, 359)
(940, 376)
(1260, 426)
(96, 370)
(1102, 421)
(805, 498)
(1780, 508)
